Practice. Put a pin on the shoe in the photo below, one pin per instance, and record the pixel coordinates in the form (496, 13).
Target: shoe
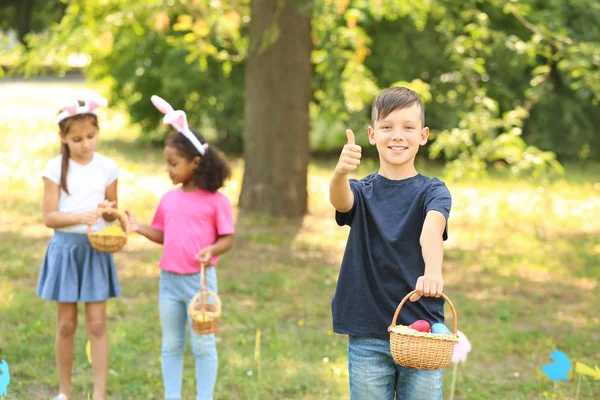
(61, 396)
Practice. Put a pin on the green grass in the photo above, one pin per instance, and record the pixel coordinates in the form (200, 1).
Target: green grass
(521, 266)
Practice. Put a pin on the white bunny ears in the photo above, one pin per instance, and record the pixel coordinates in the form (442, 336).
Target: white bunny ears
(178, 120)
(72, 108)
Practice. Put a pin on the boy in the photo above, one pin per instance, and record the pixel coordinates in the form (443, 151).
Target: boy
(398, 223)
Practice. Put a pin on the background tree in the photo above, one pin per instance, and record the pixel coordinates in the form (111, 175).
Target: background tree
(29, 16)
(498, 77)
(277, 95)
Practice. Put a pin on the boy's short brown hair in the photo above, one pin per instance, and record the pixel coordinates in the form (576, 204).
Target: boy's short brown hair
(395, 98)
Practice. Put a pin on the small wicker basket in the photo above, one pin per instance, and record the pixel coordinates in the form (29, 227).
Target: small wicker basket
(421, 350)
(110, 242)
(204, 308)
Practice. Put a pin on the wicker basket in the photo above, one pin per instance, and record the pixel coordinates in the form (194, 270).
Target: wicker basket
(421, 350)
(110, 242)
(204, 308)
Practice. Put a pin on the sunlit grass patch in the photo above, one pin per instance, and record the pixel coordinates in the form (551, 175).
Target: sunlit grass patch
(521, 266)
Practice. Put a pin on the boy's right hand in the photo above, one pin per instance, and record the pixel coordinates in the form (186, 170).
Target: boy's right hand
(133, 224)
(350, 157)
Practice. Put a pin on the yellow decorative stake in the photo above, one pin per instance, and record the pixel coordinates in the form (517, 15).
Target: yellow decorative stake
(583, 369)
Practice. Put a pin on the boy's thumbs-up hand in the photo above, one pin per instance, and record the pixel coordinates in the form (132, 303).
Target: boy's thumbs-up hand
(350, 157)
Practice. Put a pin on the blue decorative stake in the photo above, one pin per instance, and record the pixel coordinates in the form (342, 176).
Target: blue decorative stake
(560, 368)
(4, 378)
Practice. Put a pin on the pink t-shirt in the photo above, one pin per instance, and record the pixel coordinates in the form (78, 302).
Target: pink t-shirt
(190, 222)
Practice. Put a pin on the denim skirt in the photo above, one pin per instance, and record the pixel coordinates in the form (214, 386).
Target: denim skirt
(74, 271)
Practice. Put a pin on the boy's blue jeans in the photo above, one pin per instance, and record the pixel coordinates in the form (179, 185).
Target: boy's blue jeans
(175, 293)
(374, 375)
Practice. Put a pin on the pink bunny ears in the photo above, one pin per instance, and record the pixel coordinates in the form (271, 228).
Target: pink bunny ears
(178, 120)
(72, 108)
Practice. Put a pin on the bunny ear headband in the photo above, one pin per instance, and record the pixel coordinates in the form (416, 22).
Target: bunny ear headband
(72, 108)
(178, 120)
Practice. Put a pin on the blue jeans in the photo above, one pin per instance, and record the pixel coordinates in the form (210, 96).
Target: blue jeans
(175, 293)
(374, 375)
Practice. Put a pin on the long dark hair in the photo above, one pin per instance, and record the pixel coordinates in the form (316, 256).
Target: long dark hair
(213, 170)
(64, 127)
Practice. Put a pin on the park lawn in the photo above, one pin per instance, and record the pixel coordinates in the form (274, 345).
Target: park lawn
(522, 268)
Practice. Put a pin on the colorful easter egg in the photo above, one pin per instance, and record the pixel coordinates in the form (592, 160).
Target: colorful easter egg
(440, 329)
(420, 325)
(202, 318)
(112, 230)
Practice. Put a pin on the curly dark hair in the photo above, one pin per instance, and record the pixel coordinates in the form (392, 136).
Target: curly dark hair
(213, 170)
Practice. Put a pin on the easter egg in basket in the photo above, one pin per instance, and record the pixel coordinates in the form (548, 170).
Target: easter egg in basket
(440, 329)
(202, 317)
(112, 230)
(420, 325)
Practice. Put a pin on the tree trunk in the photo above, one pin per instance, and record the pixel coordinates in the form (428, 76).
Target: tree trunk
(277, 95)
(24, 12)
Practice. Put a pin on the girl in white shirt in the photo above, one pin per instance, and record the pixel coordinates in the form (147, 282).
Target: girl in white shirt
(78, 185)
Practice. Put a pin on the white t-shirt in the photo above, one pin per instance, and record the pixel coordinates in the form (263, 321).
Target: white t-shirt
(87, 186)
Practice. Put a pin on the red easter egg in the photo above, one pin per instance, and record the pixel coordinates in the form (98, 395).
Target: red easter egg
(420, 325)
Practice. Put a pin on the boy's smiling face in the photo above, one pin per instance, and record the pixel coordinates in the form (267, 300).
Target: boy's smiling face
(398, 137)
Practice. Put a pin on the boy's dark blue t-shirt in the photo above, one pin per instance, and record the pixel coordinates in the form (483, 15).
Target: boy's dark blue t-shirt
(383, 257)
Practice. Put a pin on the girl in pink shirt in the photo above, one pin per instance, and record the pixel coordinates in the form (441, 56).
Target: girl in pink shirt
(195, 224)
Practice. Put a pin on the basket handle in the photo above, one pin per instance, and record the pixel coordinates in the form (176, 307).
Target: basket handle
(122, 218)
(203, 283)
(202, 277)
(201, 296)
(413, 292)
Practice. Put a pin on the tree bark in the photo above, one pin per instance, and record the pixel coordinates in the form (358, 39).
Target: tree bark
(24, 12)
(276, 115)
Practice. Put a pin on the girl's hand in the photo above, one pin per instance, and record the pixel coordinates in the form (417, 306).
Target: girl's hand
(91, 217)
(133, 224)
(204, 255)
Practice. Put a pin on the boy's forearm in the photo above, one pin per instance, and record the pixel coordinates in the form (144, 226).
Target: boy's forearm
(432, 242)
(155, 235)
(340, 194)
(432, 247)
